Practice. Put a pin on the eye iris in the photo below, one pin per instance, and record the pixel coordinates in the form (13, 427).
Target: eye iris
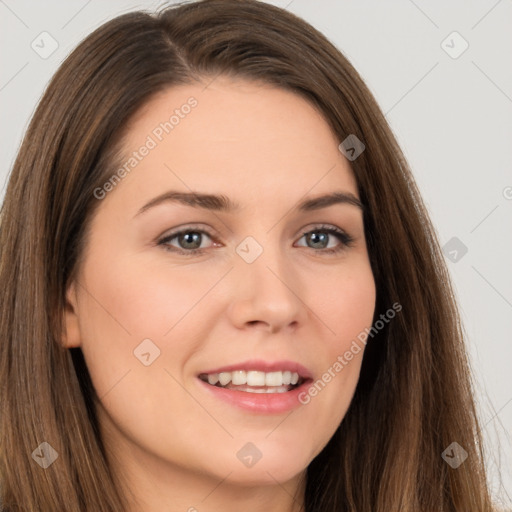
(318, 237)
(191, 237)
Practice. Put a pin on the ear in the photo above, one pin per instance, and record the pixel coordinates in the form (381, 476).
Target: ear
(71, 329)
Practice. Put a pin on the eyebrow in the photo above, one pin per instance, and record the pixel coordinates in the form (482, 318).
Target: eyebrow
(225, 204)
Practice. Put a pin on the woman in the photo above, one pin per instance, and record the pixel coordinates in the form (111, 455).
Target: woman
(305, 355)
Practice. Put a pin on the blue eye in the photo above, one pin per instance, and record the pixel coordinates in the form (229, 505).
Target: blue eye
(320, 236)
(190, 240)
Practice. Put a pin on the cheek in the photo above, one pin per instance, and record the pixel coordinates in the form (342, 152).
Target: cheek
(344, 300)
(128, 302)
(346, 308)
(142, 301)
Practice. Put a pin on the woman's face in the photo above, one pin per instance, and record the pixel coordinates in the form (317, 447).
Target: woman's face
(151, 315)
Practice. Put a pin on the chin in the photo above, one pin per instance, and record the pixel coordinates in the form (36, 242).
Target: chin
(274, 465)
(265, 474)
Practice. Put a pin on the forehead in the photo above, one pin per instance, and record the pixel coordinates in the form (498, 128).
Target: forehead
(235, 137)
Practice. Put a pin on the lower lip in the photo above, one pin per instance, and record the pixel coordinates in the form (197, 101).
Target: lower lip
(263, 403)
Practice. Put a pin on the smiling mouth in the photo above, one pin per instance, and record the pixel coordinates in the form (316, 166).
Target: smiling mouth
(255, 381)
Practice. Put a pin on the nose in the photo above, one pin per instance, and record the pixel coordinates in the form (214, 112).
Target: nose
(266, 293)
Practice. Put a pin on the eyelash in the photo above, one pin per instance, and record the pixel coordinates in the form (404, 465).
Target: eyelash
(345, 239)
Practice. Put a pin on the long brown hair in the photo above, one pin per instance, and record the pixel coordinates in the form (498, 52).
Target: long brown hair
(414, 397)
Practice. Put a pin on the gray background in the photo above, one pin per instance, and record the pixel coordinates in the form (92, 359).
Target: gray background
(451, 114)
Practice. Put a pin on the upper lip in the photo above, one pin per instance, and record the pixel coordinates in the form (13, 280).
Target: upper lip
(263, 366)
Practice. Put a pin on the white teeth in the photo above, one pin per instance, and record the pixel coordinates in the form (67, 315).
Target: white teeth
(225, 378)
(213, 378)
(239, 377)
(279, 389)
(274, 379)
(254, 378)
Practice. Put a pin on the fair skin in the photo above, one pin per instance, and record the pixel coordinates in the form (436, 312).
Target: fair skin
(174, 445)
